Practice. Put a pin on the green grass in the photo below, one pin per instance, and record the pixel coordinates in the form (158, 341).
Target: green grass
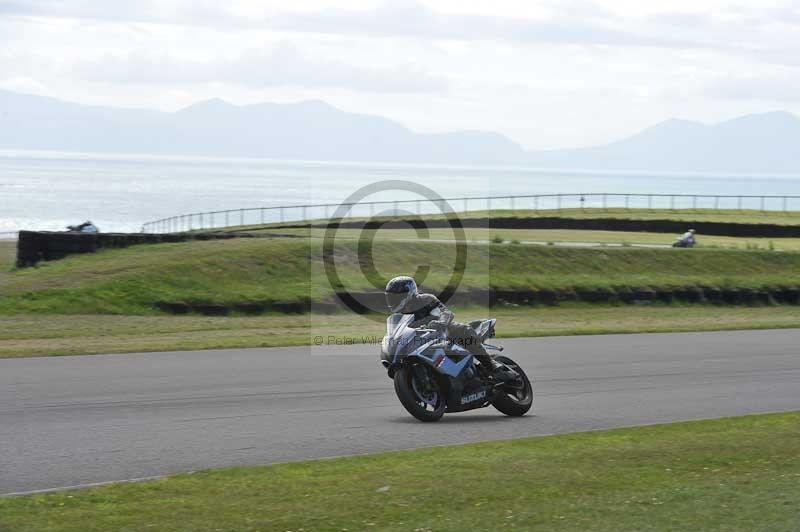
(8, 254)
(563, 236)
(734, 474)
(687, 215)
(50, 335)
(129, 281)
(746, 216)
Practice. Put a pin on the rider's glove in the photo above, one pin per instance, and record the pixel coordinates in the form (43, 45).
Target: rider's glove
(437, 326)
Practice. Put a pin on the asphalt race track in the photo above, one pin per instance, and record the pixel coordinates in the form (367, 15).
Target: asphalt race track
(69, 421)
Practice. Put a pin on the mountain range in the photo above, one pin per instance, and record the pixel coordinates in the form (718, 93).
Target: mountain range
(314, 130)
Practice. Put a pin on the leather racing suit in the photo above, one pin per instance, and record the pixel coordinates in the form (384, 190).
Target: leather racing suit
(430, 312)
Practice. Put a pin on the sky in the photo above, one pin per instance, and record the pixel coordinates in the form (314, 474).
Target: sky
(548, 74)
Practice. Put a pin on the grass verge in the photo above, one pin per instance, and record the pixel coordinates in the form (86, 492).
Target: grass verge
(734, 474)
(130, 281)
(743, 216)
(561, 236)
(8, 254)
(48, 335)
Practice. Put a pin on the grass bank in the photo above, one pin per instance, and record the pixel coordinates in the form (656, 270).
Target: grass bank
(557, 236)
(130, 281)
(735, 474)
(8, 254)
(743, 216)
(50, 335)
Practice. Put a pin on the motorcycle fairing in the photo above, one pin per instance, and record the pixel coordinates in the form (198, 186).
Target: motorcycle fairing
(450, 360)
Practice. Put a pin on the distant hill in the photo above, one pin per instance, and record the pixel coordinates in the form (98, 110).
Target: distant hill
(768, 142)
(315, 130)
(305, 130)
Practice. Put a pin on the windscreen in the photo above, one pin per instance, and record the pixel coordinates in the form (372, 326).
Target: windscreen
(397, 322)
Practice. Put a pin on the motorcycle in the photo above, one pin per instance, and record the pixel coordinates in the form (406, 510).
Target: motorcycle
(433, 376)
(684, 243)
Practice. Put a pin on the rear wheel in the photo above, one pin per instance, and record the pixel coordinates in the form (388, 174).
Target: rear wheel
(419, 392)
(514, 398)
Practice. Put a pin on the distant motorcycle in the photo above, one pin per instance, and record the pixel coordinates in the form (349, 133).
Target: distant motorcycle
(684, 243)
(433, 376)
(85, 227)
(686, 240)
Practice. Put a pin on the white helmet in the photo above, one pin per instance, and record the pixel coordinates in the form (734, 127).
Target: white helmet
(399, 291)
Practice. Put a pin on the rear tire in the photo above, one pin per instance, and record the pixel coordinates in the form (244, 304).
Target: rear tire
(426, 407)
(514, 402)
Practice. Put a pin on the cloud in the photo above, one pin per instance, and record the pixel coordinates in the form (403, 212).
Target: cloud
(772, 89)
(141, 10)
(24, 85)
(573, 22)
(281, 65)
(570, 24)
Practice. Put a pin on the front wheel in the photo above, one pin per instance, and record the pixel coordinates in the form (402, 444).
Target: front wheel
(419, 393)
(514, 398)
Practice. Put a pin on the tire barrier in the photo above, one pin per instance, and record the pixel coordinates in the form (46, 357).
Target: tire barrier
(618, 295)
(591, 224)
(36, 246)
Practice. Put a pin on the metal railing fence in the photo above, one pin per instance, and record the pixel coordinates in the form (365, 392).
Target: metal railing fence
(8, 235)
(537, 203)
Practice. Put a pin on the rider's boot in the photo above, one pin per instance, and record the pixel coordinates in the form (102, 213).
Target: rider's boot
(501, 373)
(494, 369)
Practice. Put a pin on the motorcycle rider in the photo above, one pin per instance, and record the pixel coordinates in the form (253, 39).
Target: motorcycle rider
(402, 296)
(687, 239)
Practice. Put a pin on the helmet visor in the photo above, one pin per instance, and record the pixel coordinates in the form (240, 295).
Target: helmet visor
(395, 300)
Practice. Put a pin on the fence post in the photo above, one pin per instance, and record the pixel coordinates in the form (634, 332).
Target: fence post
(605, 202)
(305, 212)
(536, 204)
(762, 203)
(419, 208)
(784, 204)
(650, 201)
(740, 203)
(513, 204)
(716, 203)
(261, 215)
(627, 202)
(559, 202)
(466, 201)
(694, 202)
(672, 203)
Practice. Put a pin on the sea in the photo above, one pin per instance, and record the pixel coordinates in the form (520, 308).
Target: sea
(50, 190)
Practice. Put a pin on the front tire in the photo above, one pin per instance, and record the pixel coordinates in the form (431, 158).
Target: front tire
(518, 400)
(424, 404)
